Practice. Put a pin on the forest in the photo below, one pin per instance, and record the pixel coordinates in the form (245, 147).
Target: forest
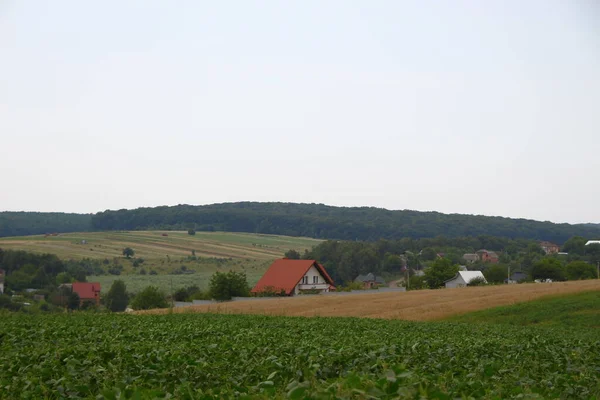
(291, 219)
(327, 222)
(24, 223)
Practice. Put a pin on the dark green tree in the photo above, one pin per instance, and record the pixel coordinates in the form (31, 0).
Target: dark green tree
(128, 252)
(224, 286)
(191, 231)
(440, 271)
(496, 273)
(548, 268)
(292, 254)
(577, 270)
(116, 299)
(149, 298)
(575, 245)
(73, 301)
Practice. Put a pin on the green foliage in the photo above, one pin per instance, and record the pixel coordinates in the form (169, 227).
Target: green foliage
(417, 283)
(577, 270)
(344, 223)
(191, 356)
(548, 268)
(35, 223)
(116, 299)
(575, 245)
(149, 298)
(440, 271)
(292, 254)
(496, 273)
(191, 232)
(224, 286)
(128, 252)
(477, 281)
(73, 301)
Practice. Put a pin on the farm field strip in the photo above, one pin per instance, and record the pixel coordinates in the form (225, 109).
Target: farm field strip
(202, 356)
(421, 305)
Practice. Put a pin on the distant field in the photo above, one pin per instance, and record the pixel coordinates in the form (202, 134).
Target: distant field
(215, 251)
(419, 305)
(572, 310)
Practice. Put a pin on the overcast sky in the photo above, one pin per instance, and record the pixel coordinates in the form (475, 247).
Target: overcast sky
(476, 107)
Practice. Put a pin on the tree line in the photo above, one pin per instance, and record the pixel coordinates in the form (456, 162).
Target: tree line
(35, 223)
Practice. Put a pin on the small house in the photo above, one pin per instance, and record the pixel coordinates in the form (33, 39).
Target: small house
(549, 248)
(592, 242)
(87, 291)
(291, 277)
(470, 258)
(517, 277)
(488, 256)
(463, 278)
(370, 280)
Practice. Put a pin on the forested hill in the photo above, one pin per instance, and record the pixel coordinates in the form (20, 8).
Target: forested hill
(33, 223)
(327, 222)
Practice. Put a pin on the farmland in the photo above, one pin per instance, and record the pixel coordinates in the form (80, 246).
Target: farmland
(165, 252)
(419, 305)
(204, 356)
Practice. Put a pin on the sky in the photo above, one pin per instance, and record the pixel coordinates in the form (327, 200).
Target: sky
(468, 107)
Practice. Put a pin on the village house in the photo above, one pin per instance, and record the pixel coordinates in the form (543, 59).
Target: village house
(516, 277)
(487, 256)
(463, 278)
(549, 248)
(87, 291)
(592, 242)
(370, 280)
(292, 277)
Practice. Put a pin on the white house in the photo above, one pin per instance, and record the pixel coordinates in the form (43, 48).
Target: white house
(463, 278)
(592, 242)
(292, 277)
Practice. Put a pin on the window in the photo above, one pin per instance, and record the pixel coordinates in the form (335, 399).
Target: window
(305, 280)
(315, 279)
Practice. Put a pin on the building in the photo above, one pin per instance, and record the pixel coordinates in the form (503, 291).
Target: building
(370, 280)
(292, 277)
(592, 242)
(516, 277)
(87, 291)
(2, 281)
(463, 278)
(470, 258)
(487, 256)
(550, 248)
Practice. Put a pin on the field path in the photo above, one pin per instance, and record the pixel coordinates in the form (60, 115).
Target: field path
(420, 305)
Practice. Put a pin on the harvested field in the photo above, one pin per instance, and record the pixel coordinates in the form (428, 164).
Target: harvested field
(422, 305)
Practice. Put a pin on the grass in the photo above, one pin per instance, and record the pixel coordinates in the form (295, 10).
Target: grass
(215, 251)
(580, 310)
(420, 305)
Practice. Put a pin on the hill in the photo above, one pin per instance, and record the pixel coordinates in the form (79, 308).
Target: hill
(169, 260)
(343, 223)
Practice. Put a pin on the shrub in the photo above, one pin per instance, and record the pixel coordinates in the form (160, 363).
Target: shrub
(116, 299)
(478, 281)
(224, 286)
(191, 232)
(149, 298)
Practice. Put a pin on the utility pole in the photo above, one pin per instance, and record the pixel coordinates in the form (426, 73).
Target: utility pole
(598, 268)
(508, 280)
(407, 277)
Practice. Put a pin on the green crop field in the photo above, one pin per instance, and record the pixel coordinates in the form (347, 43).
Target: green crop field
(209, 356)
(214, 251)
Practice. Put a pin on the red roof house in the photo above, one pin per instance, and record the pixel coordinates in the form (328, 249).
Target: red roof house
(87, 291)
(295, 276)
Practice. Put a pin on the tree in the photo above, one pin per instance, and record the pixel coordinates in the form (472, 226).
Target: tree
(575, 245)
(128, 252)
(477, 281)
(116, 299)
(548, 268)
(496, 273)
(440, 271)
(224, 286)
(577, 270)
(191, 231)
(149, 298)
(73, 301)
(292, 254)
(63, 277)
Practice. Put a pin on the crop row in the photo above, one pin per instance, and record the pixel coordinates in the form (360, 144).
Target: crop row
(226, 356)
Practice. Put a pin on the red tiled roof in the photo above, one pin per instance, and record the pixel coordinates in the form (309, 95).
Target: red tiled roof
(284, 274)
(86, 290)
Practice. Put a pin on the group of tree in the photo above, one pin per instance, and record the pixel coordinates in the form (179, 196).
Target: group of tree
(327, 222)
(35, 223)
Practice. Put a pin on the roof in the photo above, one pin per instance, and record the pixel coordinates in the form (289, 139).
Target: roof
(545, 243)
(467, 276)
(284, 274)
(86, 290)
(370, 277)
(592, 242)
(469, 256)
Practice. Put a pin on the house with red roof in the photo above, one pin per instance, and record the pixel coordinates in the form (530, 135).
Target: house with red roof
(87, 291)
(292, 277)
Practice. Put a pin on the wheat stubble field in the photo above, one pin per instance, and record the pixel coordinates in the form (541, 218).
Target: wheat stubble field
(421, 305)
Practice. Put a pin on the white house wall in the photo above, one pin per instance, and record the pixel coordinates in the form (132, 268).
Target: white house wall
(455, 283)
(312, 272)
